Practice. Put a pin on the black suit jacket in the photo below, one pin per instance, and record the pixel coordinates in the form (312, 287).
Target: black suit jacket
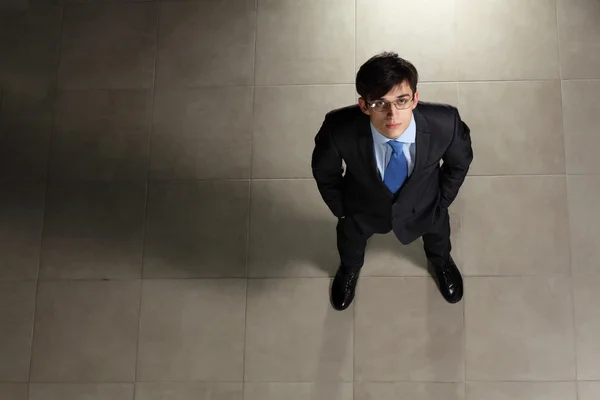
(443, 156)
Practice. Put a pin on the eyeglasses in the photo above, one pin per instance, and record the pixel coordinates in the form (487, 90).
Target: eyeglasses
(383, 106)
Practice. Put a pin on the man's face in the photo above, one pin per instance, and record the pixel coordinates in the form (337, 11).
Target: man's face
(389, 120)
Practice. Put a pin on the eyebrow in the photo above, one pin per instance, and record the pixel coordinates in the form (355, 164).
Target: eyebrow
(398, 97)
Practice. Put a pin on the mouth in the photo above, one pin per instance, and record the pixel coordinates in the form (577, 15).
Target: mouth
(392, 126)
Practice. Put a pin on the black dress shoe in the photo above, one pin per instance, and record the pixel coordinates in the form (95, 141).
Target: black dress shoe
(448, 279)
(342, 290)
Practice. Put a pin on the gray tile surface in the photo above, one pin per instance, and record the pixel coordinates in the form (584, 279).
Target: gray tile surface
(206, 43)
(188, 391)
(579, 38)
(519, 329)
(408, 390)
(192, 330)
(305, 42)
(102, 391)
(93, 230)
(292, 232)
(426, 38)
(286, 120)
(21, 220)
(521, 390)
(423, 335)
(196, 229)
(13, 391)
(202, 133)
(503, 241)
(108, 46)
(587, 326)
(298, 391)
(293, 335)
(85, 331)
(17, 305)
(101, 135)
(506, 40)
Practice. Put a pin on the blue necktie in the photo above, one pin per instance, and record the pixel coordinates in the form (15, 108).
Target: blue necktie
(396, 171)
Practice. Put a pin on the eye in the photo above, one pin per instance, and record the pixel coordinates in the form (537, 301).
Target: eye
(380, 103)
(402, 101)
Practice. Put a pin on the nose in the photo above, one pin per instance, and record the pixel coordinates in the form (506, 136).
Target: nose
(392, 112)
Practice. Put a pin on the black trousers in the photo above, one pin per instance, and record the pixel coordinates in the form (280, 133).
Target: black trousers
(352, 242)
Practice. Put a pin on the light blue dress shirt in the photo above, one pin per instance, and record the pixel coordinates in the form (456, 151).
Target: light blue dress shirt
(383, 151)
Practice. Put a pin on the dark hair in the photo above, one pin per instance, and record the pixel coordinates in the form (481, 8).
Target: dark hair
(382, 72)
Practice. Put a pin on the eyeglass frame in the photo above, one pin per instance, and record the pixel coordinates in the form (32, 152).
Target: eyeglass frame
(371, 105)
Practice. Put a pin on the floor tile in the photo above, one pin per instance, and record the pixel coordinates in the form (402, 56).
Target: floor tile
(106, 391)
(188, 142)
(581, 119)
(108, 46)
(196, 229)
(305, 42)
(589, 390)
(298, 391)
(21, 219)
(25, 128)
(579, 38)
(29, 48)
(521, 390)
(283, 139)
(514, 225)
(93, 231)
(192, 330)
(293, 334)
(584, 219)
(423, 335)
(519, 329)
(292, 232)
(529, 142)
(446, 93)
(85, 331)
(101, 135)
(425, 37)
(406, 390)
(506, 40)
(13, 391)
(188, 391)
(17, 305)
(186, 55)
(587, 326)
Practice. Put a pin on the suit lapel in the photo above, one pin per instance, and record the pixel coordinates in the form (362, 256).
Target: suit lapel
(367, 152)
(422, 141)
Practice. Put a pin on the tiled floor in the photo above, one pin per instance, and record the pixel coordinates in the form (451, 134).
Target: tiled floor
(161, 237)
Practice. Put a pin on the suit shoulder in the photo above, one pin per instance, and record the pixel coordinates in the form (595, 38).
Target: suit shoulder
(341, 117)
(436, 110)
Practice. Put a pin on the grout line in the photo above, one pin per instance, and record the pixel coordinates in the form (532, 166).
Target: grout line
(460, 242)
(248, 218)
(283, 85)
(568, 227)
(202, 180)
(218, 278)
(149, 152)
(45, 201)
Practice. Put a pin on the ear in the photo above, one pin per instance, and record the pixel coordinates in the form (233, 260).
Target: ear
(363, 106)
(416, 100)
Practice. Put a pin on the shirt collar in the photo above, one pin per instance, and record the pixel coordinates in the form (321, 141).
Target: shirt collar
(408, 136)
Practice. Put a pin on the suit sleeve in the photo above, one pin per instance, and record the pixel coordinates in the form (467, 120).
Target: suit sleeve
(457, 159)
(327, 170)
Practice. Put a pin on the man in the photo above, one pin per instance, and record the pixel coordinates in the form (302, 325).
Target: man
(405, 162)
